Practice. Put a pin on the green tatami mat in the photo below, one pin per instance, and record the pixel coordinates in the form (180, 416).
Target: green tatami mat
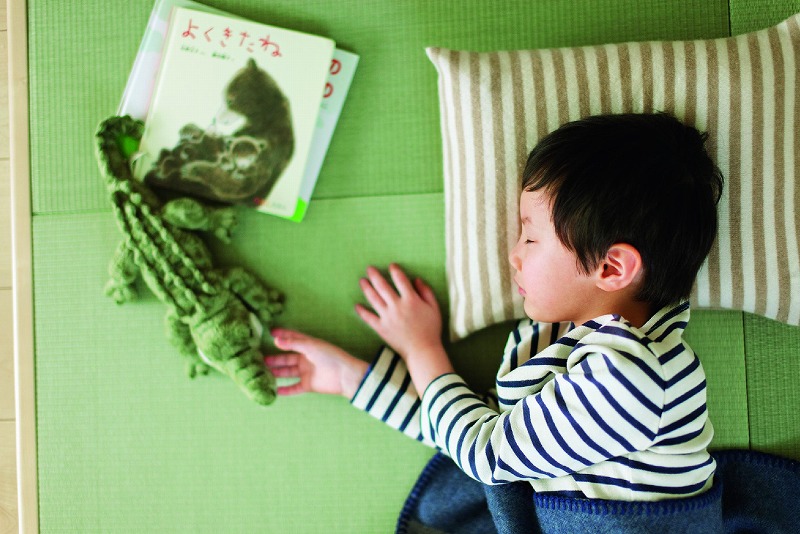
(773, 367)
(717, 338)
(387, 140)
(750, 15)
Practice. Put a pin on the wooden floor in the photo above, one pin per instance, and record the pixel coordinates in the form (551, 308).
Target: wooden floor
(8, 482)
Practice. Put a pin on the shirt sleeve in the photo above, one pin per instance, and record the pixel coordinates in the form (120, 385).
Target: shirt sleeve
(605, 405)
(387, 393)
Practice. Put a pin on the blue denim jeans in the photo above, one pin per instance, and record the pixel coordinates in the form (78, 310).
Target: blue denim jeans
(752, 492)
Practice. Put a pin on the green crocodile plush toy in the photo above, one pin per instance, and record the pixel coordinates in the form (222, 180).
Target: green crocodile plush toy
(215, 317)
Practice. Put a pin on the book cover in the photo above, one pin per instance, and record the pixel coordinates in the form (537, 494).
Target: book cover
(234, 110)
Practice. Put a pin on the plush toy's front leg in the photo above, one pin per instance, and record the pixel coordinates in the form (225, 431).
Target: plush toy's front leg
(181, 337)
(123, 272)
(192, 214)
(266, 303)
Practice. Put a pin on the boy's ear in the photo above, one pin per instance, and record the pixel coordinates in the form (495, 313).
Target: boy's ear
(621, 267)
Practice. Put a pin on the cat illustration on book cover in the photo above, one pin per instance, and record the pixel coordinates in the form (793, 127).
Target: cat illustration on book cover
(240, 156)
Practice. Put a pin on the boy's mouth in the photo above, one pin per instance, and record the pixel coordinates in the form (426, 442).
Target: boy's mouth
(519, 288)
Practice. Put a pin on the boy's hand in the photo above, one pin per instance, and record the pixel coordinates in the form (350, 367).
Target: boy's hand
(409, 320)
(320, 366)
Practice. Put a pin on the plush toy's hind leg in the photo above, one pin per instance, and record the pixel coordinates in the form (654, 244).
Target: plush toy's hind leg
(266, 303)
(181, 337)
(192, 214)
(123, 272)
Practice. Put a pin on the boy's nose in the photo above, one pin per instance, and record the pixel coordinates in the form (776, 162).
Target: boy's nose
(513, 258)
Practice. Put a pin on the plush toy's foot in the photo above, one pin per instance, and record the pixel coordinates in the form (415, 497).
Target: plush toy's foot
(119, 292)
(223, 222)
(193, 369)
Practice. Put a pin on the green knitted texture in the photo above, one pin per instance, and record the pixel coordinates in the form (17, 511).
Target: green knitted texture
(216, 318)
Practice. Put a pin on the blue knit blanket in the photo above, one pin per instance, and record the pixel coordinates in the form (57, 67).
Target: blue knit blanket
(753, 492)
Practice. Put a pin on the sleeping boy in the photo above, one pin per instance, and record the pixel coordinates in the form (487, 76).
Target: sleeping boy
(598, 395)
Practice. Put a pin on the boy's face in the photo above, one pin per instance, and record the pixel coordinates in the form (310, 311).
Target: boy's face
(547, 273)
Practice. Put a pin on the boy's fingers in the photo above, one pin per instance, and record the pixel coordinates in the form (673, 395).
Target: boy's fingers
(281, 360)
(400, 280)
(294, 389)
(284, 333)
(372, 296)
(426, 292)
(282, 337)
(380, 284)
(290, 335)
(293, 341)
(282, 342)
(368, 317)
(289, 371)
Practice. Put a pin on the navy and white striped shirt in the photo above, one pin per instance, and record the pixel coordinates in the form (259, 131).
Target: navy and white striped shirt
(603, 410)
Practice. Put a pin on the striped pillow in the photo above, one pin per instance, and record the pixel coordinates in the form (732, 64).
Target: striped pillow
(742, 90)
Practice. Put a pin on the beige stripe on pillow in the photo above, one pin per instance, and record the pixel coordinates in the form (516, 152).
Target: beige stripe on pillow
(742, 90)
(791, 51)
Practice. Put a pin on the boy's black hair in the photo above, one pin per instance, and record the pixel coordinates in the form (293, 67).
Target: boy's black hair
(641, 179)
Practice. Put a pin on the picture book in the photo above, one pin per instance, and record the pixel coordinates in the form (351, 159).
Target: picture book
(340, 76)
(139, 89)
(234, 109)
